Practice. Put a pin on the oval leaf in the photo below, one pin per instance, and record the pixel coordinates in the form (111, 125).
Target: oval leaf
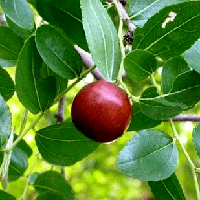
(140, 64)
(63, 144)
(102, 38)
(149, 156)
(196, 138)
(171, 31)
(167, 189)
(192, 56)
(58, 53)
(157, 107)
(171, 69)
(10, 47)
(186, 90)
(53, 182)
(7, 87)
(23, 146)
(19, 12)
(141, 11)
(34, 92)
(5, 122)
(65, 15)
(140, 121)
(5, 196)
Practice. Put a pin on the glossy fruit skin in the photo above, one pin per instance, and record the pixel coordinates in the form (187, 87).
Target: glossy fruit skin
(101, 111)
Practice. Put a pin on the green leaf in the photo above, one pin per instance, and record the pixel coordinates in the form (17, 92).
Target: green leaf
(53, 182)
(171, 31)
(58, 53)
(34, 92)
(186, 90)
(102, 38)
(21, 32)
(140, 121)
(196, 138)
(18, 164)
(184, 94)
(65, 15)
(140, 64)
(157, 107)
(5, 196)
(140, 11)
(63, 144)
(167, 189)
(5, 122)
(192, 56)
(10, 47)
(171, 69)
(61, 84)
(149, 156)
(23, 146)
(7, 87)
(19, 12)
(49, 195)
(112, 10)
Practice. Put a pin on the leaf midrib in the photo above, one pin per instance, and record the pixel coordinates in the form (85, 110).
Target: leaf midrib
(166, 33)
(143, 157)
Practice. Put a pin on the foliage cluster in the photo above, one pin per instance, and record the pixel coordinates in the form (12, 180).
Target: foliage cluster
(165, 40)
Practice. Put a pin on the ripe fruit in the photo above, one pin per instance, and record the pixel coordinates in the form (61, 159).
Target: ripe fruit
(101, 111)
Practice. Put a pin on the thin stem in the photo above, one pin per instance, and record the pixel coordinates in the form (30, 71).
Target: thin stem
(120, 36)
(155, 84)
(60, 114)
(25, 132)
(24, 120)
(3, 165)
(192, 166)
(28, 177)
(62, 171)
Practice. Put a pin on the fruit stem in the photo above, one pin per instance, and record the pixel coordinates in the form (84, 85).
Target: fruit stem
(133, 98)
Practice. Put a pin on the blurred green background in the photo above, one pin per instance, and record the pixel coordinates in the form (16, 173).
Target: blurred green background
(96, 177)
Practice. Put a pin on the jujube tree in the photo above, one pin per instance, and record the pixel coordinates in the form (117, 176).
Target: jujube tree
(146, 62)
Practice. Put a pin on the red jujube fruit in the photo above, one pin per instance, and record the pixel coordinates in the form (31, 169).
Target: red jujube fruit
(101, 111)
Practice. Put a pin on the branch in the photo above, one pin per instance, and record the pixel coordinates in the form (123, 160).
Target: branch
(125, 16)
(88, 63)
(60, 114)
(185, 118)
(121, 4)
